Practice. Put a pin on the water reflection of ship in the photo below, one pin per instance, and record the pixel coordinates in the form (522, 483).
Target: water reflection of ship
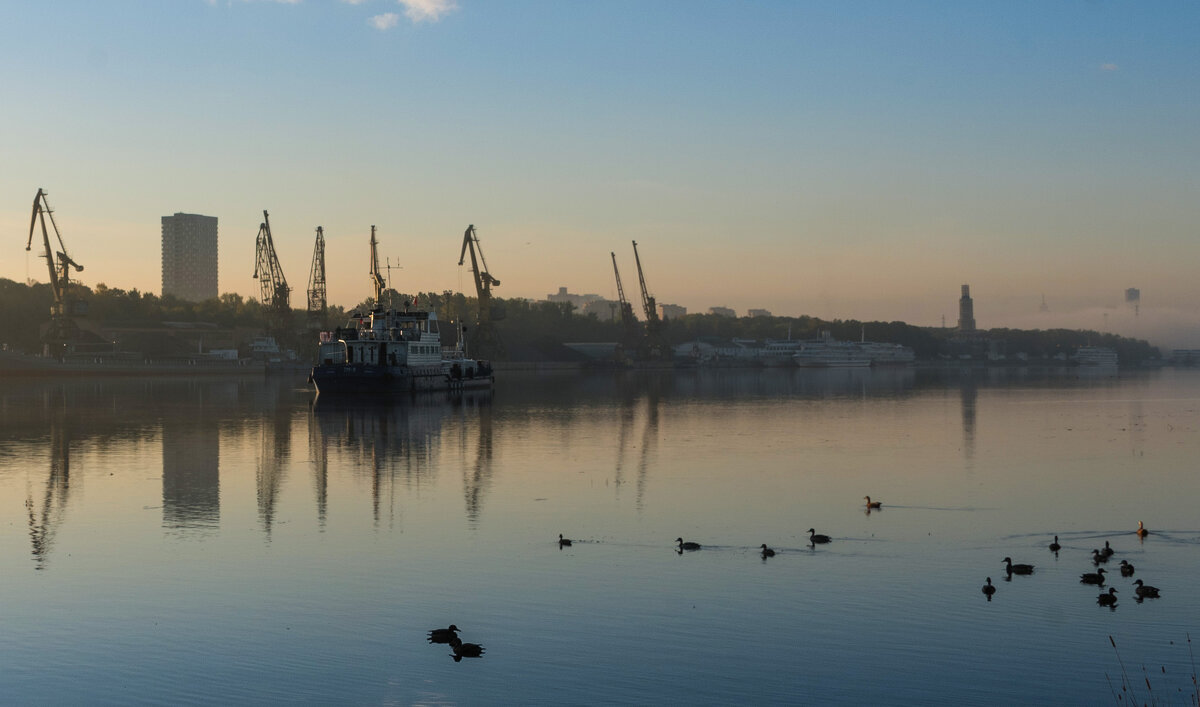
(393, 443)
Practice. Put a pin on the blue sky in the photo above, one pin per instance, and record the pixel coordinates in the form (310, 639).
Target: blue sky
(850, 159)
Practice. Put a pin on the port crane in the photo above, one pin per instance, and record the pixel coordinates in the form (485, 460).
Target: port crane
(376, 276)
(269, 274)
(484, 340)
(655, 339)
(629, 327)
(58, 264)
(317, 305)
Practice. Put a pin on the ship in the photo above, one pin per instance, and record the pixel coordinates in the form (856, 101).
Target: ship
(393, 352)
(827, 352)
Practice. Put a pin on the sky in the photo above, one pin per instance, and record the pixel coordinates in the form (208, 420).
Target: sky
(853, 160)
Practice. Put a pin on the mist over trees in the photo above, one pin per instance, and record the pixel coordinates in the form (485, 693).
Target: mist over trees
(531, 330)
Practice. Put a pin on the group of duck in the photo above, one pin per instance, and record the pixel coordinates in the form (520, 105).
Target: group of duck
(1141, 590)
(461, 650)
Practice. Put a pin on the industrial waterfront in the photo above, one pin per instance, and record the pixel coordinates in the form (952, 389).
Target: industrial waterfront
(210, 540)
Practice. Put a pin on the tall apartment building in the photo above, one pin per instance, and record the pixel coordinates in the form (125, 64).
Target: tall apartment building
(189, 256)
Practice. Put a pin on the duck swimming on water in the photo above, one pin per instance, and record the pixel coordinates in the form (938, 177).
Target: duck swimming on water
(1107, 599)
(816, 538)
(1145, 591)
(873, 504)
(767, 552)
(443, 635)
(563, 542)
(1098, 557)
(1141, 531)
(1126, 569)
(1107, 551)
(988, 589)
(465, 650)
(1017, 569)
(1096, 577)
(687, 545)
(1054, 546)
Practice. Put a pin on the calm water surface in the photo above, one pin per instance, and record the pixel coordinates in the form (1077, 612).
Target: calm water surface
(226, 541)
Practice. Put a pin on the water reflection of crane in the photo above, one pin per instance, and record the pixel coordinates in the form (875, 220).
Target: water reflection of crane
(275, 449)
(649, 439)
(318, 452)
(479, 479)
(46, 517)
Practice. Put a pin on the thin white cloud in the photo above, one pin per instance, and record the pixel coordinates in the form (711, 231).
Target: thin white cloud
(354, 2)
(427, 10)
(385, 21)
(1108, 67)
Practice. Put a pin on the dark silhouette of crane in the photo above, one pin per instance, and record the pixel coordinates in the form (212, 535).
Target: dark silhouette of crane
(376, 277)
(630, 331)
(63, 329)
(483, 340)
(269, 273)
(317, 305)
(656, 344)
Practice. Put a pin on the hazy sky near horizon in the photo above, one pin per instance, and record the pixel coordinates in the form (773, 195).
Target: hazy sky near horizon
(851, 159)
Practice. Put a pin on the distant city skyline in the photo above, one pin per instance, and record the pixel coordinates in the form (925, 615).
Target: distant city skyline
(842, 161)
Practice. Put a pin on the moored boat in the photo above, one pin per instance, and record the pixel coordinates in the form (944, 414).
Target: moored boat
(389, 352)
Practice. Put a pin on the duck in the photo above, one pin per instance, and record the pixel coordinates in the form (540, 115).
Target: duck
(1107, 551)
(563, 542)
(988, 589)
(873, 504)
(1096, 577)
(1017, 569)
(688, 545)
(1126, 569)
(1098, 557)
(465, 650)
(443, 635)
(1141, 531)
(767, 552)
(1054, 546)
(815, 538)
(1107, 599)
(1145, 591)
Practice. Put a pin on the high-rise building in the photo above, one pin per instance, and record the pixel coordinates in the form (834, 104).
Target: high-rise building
(189, 256)
(966, 311)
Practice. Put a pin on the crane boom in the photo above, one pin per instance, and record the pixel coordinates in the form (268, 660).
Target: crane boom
(626, 307)
(60, 269)
(483, 279)
(376, 277)
(269, 273)
(648, 303)
(317, 305)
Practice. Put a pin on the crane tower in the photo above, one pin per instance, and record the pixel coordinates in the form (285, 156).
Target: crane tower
(656, 344)
(317, 306)
(269, 273)
(63, 329)
(484, 339)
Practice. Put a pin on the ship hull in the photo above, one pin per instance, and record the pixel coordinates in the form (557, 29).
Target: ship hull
(365, 379)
